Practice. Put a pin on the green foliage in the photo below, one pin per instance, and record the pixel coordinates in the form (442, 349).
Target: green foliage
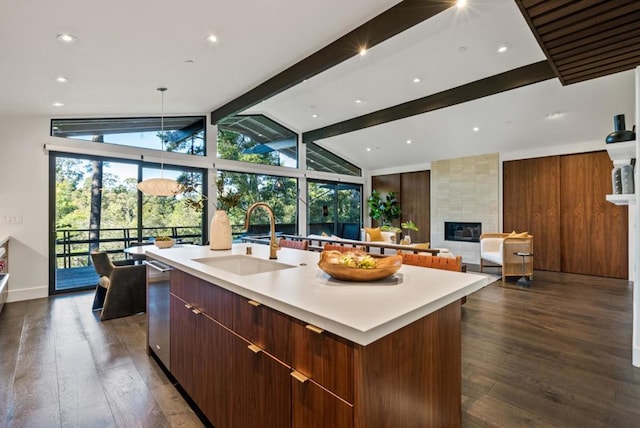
(119, 204)
(409, 225)
(384, 210)
(231, 146)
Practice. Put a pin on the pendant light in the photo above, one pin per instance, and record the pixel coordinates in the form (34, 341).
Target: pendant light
(160, 186)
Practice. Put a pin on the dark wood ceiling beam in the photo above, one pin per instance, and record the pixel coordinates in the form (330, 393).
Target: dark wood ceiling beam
(391, 22)
(523, 76)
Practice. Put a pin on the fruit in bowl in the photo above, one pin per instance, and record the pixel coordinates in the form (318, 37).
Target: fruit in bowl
(358, 265)
(164, 242)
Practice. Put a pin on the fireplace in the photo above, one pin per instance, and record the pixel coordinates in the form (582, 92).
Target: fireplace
(465, 232)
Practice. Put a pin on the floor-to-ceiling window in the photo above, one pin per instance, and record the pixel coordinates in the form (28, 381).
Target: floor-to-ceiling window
(238, 190)
(97, 207)
(334, 208)
(95, 204)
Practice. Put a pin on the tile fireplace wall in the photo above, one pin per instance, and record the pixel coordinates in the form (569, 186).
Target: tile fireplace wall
(464, 190)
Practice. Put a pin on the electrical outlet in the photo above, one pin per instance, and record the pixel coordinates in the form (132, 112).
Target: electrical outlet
(11, 219)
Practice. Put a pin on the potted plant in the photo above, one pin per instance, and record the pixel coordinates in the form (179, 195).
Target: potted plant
(409, 226)
(383, 210)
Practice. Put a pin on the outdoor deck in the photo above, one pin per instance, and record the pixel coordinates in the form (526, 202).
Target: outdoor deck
(70, 278)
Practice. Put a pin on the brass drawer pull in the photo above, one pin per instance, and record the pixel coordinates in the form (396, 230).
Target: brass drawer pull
(314, 329)
(254, 303)
(299, 376)
(188, 306)
(254, 348)
(196, 311)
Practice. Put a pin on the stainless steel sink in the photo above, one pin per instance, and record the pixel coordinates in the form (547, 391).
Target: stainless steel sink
(243, 265)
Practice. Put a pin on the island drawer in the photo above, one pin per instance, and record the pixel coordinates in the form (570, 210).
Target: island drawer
(323, 357)
(263, 326)
(203, 296)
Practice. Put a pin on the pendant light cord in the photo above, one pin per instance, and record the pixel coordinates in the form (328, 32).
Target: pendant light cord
(162, 132)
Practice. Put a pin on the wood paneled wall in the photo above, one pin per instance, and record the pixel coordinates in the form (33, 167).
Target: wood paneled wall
(413, 190)
(415, 202)
(595, 237)
(560, 200)
(531, 202)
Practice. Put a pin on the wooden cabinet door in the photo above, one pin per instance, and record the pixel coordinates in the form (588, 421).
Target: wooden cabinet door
(314, 407)
(261, 388)
(266, 327)
(182, 344)
(213, 368)
(323, 357)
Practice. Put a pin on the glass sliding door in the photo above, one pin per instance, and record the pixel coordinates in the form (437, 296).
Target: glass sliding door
(334, 209)
(96, 206)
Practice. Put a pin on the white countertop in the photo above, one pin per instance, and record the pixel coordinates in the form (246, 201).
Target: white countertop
(4, 239)
(360, 312)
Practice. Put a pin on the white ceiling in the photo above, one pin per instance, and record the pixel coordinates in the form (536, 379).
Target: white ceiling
(126, 49)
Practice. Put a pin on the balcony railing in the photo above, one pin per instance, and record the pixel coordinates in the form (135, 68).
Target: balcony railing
(73, 245)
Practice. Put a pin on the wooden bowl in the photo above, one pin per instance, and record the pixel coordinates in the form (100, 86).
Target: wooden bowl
(165, 244)
(385, 267)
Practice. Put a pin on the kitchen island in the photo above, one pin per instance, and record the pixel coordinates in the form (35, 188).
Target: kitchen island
(255, 343)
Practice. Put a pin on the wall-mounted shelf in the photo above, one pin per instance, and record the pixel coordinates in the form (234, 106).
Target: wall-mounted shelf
(622, 153)
(627, 199)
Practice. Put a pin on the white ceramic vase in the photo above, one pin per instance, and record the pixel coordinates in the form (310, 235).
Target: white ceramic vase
(220, 231)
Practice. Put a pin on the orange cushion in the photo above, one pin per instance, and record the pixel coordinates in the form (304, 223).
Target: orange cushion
(375, 234)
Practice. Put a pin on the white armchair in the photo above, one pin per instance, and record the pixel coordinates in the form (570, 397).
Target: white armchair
(499, 248)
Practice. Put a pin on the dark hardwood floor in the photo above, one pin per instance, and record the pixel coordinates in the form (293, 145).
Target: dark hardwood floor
(61, 367)
(555, 355)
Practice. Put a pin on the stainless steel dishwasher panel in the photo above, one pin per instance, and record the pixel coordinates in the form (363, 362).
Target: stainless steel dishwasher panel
(158, 311)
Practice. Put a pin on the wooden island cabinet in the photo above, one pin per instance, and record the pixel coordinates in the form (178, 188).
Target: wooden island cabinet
(245, 365)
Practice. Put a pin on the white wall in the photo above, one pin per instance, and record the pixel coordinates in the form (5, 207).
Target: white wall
(24, 169)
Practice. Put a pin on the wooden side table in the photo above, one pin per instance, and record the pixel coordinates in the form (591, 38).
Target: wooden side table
(523, 281)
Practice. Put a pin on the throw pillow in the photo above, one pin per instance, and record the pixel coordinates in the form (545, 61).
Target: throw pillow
(425, 245)
(375, 234)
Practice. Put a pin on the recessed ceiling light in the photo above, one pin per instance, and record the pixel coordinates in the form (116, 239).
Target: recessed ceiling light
(314, 115)
(189, 61)
(462, 49)
(461, 3)
(409, 141)
(212, 38)
(555, 115)
(504, 48)
(368, 149)
(476, 129)
(358, 101)
(57, 104)
(416, 80)
(61, 79)
(66, 37)
(363, 51)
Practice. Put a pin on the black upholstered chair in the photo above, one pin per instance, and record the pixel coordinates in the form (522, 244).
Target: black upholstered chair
(121, 290)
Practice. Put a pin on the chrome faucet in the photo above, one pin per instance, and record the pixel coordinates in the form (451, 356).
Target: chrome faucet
(273, 244)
